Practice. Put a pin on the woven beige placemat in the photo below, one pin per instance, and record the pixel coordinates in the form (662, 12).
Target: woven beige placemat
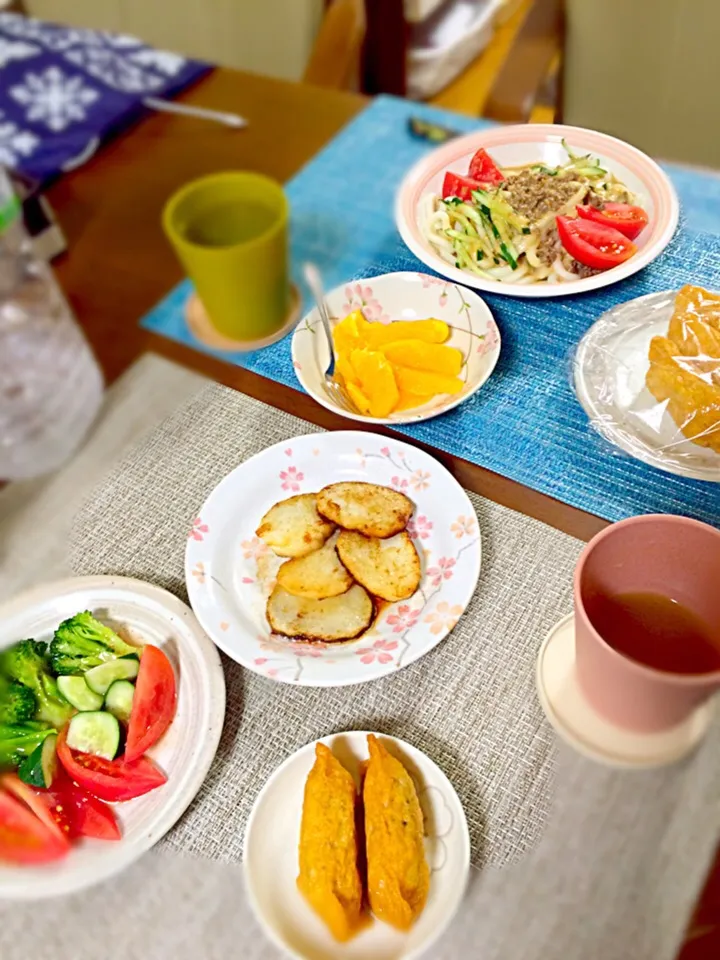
(470, 704)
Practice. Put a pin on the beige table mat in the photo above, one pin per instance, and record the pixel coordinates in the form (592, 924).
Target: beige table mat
(615, 874)
(470, 704)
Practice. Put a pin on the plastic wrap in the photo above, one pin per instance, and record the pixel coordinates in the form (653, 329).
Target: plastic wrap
(648, 376)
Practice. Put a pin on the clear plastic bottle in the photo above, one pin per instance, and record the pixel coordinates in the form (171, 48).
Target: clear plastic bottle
(50, 384)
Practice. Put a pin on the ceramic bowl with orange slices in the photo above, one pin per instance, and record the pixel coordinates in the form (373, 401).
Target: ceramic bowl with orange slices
(408, 346)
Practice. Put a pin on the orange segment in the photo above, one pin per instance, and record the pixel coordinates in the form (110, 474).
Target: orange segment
(357, 397)
(409, 401)
(419, 355)
(343, 367)
(424, 383)
(429, 331)
(346, 334)
(377, 380)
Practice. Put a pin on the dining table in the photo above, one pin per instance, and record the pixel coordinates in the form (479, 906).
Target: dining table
(118, 264)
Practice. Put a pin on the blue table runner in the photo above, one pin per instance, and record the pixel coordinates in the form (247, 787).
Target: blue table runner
(526, 422)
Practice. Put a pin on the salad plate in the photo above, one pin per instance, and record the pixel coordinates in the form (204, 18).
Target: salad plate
(544, 148)
(145, 614)
(231, 573)
(270, 858)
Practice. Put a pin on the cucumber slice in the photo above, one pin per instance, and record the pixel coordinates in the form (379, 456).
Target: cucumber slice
(119, 698)
(78, 693)
(40, 767)
(94, 732)
(100, 678)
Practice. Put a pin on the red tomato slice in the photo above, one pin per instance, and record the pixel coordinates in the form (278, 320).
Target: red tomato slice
(43, 803)
(593, 244)
(629, 220)
(87, 816)
(111, 780)
(154, 703)
(23, 837)
(456, 186)
(483, 168)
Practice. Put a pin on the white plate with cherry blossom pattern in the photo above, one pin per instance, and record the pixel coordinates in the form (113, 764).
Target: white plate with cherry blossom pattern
(230, 573)
(271, 857)
(403, 296)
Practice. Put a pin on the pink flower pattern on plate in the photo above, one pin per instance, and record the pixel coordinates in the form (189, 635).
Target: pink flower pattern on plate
(399, 483)
(420, 481)
(305, 650)
(428, 281)
(379, 651)
(254, 549)
(360, 297)
(419, 528)
(463, 526)
(444, 617)
(198, 571)
(489, 341)
(291, 479)
(443, 571)
(198, 530)
(404, 619)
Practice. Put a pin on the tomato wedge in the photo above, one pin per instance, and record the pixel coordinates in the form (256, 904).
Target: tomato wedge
(484, 169)
(111, 780)
(593, 244)
(44, 804)
(626, 218)
(23, 837)
(154, 702)
(456, 186)
(87, 816)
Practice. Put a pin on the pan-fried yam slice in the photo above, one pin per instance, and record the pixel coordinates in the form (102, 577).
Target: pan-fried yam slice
(317, 575)
(336, 618)
(293, 527)
(366, 507)
(389, 569)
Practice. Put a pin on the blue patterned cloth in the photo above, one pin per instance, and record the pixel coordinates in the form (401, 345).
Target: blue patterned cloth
(526, 422)
(63, 91)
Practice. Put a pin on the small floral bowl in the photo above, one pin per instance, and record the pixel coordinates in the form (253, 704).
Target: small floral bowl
(403, 296)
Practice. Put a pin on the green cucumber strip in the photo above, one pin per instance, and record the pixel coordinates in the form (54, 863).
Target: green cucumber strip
(78, 694)
(95, 732)
(119, 699)
(100, 678)
(39, 769)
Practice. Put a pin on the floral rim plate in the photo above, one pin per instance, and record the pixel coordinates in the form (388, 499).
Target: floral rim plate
(230, 573)
(540, 142)
(609, 369)
(271, 857)
(186, 750)
(403, 296)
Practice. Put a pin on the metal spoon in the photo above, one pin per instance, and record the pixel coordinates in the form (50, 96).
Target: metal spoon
(334, 390)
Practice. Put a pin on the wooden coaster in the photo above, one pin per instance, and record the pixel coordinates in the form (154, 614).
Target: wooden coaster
(201, 327)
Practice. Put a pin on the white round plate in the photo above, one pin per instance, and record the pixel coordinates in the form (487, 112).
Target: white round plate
(580, 725)
(184, 753)
(610, 367)
(271, 858)
(230, 573)
(540, 143)
(402, 296)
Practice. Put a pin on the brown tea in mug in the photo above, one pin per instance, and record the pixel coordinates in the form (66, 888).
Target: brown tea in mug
(657, 631)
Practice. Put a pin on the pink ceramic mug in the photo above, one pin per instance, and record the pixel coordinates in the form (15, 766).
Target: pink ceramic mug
(659, 553)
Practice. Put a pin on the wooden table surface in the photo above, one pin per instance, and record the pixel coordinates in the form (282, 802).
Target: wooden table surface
(118, 264)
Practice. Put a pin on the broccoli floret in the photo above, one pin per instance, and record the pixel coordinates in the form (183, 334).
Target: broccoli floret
(26, 663)
(82, 642)
(17, 703)
(19, 740)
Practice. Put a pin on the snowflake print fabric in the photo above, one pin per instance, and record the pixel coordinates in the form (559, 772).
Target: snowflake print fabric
(65, 90)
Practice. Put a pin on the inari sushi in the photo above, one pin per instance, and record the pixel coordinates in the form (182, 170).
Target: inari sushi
(398, 874)
(329, 878)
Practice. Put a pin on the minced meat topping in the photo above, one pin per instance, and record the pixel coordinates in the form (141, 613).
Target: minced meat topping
(533, 193)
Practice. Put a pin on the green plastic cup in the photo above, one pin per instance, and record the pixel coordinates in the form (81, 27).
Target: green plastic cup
(229, 230)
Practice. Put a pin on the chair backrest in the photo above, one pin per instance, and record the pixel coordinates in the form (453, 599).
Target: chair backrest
(335, 59)
(646, 71)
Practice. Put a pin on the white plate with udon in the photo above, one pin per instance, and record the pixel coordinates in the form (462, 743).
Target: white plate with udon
(514, 251)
